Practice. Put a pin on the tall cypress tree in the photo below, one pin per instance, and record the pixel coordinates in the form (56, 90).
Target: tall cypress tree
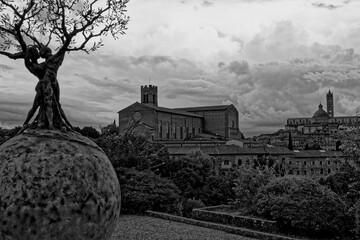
(290, 145)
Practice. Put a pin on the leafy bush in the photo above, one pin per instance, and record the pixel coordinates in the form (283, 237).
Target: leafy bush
(345, 182)
(189, 205)
(189, 174)
(89, 132)
(145, 190)
(304, 207)
(247, 184)
(133, 151)
(218, 189)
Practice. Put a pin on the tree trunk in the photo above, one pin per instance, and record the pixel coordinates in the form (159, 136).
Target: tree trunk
(47, 98)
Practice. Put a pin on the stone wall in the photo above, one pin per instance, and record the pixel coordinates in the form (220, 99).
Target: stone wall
(221, 214)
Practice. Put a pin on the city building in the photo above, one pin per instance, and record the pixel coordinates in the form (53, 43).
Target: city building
(323, 126)
(228, 156)
(304, 163)
(179, 124)
(313, 163)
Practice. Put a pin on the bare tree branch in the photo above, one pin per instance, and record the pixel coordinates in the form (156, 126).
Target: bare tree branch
(67, 25)
(13, 55)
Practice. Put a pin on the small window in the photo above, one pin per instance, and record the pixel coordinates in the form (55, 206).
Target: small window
(304, 163)
(329, 171)
(297, 172)
(321, 171)
(320, 162)
(289, 162)
(304, 172)
(239, 162)
(226, 162)
(328, 162)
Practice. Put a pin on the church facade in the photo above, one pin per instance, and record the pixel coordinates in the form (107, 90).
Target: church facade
(176, 124)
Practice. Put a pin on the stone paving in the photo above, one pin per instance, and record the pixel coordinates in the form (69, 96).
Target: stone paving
(131, 227)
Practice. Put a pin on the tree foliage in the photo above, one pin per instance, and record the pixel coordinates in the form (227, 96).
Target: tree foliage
(189, 204)
(65, 24)
(144, 190)
(247, 184)
(133, 151)
(302, 206)
(88, 131)
(190, 174)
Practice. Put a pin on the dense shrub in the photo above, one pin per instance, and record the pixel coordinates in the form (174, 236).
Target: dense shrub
(189, 173)
(345, 182)
(145, 190)
(189, 204)
(247, 184)
(218, 189)
(133, 151)
(304, 207)
(89, 132)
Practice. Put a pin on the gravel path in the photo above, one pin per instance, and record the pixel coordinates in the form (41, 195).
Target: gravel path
(144, 228)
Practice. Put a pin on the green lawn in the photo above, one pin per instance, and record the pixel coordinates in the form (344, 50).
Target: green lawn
(132, 227)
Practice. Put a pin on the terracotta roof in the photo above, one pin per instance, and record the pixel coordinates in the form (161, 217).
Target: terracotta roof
(228, 150)
(316, 153)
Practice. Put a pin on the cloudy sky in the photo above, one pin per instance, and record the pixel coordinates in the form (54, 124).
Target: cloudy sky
(272, 59)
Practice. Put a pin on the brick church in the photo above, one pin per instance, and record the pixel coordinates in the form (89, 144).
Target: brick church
(174, 124)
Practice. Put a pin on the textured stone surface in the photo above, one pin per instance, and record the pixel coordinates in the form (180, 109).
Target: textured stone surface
(56, 186)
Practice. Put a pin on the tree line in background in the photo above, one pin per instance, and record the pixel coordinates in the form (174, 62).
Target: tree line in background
(151, 180)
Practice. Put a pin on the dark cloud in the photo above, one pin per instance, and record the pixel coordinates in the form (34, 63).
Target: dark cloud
(327, 6)
(118, 85)
(330, 6)
(346, 56)
(151, 60)
(5, 68)
(207, 3)
(239, 68)
(221, 64)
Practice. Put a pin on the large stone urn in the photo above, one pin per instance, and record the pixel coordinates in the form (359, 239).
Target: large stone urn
(56, 186)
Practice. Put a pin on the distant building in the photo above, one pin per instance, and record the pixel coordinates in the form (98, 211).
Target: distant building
(226, 157)
(322, 127)
(305, 163)
(178, 124)
(313, 163)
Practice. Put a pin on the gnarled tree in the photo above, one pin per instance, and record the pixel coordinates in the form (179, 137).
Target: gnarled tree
(30, 29)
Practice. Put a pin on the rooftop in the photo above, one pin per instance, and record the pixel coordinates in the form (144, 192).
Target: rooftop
(205, 108)
(229, 150)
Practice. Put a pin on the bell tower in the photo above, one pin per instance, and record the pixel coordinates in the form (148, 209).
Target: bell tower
(330, 103)
(149, 94)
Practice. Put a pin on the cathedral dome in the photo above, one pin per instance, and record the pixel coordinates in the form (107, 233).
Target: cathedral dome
(321, 113)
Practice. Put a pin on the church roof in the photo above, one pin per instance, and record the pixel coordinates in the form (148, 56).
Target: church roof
(162, 109)
(321, 113)
(174, 111)
(205, 108)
